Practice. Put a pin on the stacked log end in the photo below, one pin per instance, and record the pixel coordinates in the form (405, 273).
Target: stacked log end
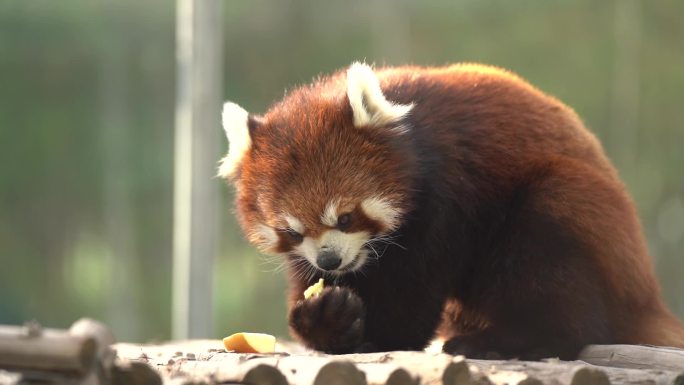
(588, 376)
(457, 373)
(264, 375)
(340, 373)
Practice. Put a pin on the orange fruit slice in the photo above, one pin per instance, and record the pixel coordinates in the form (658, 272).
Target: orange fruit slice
(250, 343)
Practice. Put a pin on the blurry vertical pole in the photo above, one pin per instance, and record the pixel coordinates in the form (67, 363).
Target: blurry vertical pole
(198, 105)
(626, 78)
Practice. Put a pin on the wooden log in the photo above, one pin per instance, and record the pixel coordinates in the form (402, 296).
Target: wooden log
(507, 377)
(263, 374)
(387, 374)
(38, 349)
(634, 356)
(584, 375)
(577, 372)
(530, 381)
(86, 327)
(457, 373)
(401, 377)
(625, 376)
(427, 368)
(523, 372)
(134, 373)
(232, 367)
(340, 373)
(196, 362)
(241, 368)
(104, 354)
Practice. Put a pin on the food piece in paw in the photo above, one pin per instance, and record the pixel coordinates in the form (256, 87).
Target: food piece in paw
(314, 290)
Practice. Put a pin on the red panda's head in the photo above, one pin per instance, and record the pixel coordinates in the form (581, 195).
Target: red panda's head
(321, 174)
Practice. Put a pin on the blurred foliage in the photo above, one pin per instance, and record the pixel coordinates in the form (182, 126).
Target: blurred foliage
(86, 130)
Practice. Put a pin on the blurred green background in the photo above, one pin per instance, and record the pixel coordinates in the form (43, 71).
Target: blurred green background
(86, 130)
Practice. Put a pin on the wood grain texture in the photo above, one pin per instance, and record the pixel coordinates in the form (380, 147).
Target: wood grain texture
(634, 356)
(50, 350)
(200, 362)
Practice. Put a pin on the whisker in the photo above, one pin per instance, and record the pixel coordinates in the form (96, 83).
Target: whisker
(279, 263)
(389, 239)
(300, 267)
(311, 272)
(383, 251)
(370, 245)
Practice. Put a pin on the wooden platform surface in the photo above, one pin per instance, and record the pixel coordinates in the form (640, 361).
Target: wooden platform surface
(207, 362)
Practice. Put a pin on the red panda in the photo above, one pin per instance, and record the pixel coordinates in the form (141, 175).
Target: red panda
(459, 201)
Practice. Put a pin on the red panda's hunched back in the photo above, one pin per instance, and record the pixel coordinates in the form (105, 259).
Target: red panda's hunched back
(458, 196)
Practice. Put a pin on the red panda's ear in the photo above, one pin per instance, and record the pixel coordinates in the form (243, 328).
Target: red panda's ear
(368, 103)
(236, 124)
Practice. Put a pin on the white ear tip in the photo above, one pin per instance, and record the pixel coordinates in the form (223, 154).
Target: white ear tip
(368, 103)
(232, 107)
(231, 114)
(361, 75)
(359, 68)
(234, 119)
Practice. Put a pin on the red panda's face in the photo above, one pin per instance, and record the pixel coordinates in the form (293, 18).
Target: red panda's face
(318, 178)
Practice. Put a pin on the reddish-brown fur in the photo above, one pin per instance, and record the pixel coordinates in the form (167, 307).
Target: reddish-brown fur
(518, 236)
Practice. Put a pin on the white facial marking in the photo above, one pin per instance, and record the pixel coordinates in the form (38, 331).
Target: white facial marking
(265, 237)
(382, 210)
(329, 216)
(235, 126)
(295, 224)
(346, 245)
(308, 249)
(368, 103)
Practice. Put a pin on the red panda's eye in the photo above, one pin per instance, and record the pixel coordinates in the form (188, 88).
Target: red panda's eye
(343, 221)
(294, 236)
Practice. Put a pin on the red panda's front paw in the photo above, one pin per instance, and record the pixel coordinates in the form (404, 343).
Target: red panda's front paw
(332, 322)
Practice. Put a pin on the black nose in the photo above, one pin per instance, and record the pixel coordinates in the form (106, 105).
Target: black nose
(328, 260)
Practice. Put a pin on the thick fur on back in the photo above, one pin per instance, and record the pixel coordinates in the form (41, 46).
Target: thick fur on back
(514, 234)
